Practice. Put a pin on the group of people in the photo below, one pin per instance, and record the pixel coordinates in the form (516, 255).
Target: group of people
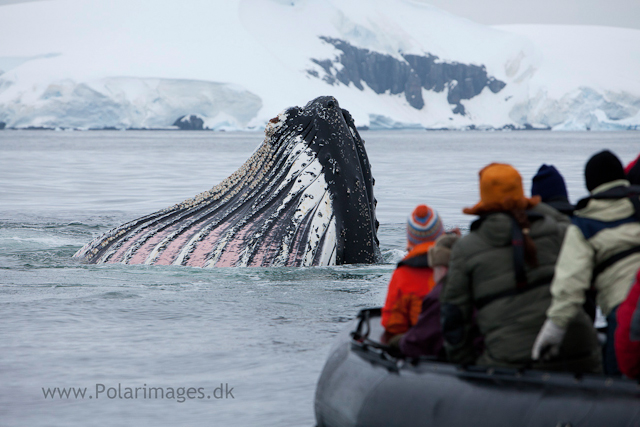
(522, 288)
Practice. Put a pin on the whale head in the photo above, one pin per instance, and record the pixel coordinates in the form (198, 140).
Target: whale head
(303, 198)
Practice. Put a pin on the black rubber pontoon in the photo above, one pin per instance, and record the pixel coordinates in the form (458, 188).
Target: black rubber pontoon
(362, 384)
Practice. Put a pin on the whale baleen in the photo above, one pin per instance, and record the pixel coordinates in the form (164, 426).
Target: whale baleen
(304, 197)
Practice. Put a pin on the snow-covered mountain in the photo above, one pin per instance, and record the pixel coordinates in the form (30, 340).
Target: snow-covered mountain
(234, 64)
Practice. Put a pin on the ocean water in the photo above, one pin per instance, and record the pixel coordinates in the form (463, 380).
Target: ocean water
(236, 347)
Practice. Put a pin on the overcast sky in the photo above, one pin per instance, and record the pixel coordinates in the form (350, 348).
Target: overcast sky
(616, 13)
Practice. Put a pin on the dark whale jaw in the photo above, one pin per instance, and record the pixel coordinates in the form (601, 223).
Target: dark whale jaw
(304, 197)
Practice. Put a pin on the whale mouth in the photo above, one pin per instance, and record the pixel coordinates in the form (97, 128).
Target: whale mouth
(303, 198)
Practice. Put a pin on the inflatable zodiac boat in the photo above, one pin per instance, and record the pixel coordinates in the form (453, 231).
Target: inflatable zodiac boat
(363, 384)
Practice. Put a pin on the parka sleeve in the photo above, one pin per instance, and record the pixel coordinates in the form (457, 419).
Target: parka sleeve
(457, 309)
(572, 277)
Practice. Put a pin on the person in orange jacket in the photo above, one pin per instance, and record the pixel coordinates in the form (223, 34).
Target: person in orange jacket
(413, 278)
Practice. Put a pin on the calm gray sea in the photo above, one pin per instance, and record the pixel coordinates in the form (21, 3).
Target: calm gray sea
(228, 347)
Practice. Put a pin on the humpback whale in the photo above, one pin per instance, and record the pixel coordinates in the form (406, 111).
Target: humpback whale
(303, 198)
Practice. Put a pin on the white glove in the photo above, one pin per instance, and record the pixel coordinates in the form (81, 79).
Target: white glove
(548, 341)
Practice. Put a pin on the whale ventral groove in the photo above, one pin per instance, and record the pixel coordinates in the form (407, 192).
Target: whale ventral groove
(304, 197)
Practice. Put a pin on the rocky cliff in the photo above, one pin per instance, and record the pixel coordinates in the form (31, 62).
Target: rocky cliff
(406, 75)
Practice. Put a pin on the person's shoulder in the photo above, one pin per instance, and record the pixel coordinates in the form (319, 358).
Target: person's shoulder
(466, 245)
(552, 213)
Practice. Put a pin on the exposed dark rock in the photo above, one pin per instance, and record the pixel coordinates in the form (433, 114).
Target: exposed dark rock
(384, 73)
(326, 64)
(459, 109)
(496, 86)
(2, 125)
(436, 129)
(189, 123)
(330, 80)
(528, 126)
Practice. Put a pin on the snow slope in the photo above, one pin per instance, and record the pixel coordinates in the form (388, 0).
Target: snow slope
(237, 63)
(586, 76)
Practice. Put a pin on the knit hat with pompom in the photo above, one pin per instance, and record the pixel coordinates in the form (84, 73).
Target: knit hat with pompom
(423, 225)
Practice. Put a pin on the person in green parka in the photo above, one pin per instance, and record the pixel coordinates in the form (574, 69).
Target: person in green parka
(502, 270)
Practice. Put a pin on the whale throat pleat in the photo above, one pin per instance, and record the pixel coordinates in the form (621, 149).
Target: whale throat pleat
(278, 209)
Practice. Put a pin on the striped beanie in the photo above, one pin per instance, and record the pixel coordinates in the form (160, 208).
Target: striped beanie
(423, 225)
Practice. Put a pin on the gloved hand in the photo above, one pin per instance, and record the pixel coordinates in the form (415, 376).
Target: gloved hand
(547, 344)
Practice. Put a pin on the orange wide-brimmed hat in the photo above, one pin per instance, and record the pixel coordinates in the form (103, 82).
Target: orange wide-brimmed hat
(501, 189)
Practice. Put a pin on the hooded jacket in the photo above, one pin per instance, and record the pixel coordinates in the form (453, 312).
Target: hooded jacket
(482, 267)
(604, 227)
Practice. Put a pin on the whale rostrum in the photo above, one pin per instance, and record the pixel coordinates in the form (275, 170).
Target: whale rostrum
(303, 198)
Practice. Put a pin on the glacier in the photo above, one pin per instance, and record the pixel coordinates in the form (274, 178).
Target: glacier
(233, 65)
(130, 103)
